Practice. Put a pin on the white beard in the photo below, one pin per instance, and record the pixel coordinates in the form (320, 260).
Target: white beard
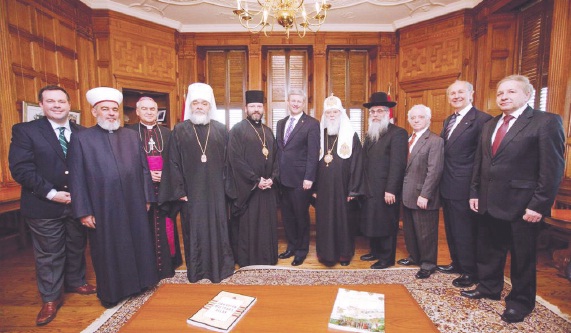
(199, 119)
(108, 125)
(377, 128)
(333, 126)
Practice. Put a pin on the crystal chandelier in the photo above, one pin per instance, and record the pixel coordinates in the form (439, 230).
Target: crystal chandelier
(290, 14)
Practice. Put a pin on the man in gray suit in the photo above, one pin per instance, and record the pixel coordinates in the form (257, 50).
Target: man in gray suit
(420, 193)
(460, 132)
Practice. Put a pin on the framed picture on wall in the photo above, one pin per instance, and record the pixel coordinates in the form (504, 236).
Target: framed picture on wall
(75, 117)
(31, 111)
(162, 116)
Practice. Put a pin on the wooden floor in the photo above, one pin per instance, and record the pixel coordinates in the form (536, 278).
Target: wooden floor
(20, 303)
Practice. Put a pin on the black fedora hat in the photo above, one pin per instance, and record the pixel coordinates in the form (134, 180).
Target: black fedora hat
(379, 98)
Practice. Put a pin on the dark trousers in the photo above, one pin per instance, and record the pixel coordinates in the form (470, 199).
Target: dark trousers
(384, 248)
(460, 224)
(421, 236)
(295, 218)
(59, 250)
(495, 238)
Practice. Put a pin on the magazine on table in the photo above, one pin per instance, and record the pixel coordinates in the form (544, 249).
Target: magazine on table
(358, 311)
(222, 312)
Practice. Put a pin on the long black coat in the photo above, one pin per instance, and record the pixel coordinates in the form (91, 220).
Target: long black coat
(384, 164)
(110, 179)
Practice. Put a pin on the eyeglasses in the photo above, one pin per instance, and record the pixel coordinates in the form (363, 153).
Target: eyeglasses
(379, 111)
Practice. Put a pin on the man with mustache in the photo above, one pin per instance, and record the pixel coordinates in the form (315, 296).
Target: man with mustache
(193, 180)
(111, 191)
(253, 168)
(384, 160)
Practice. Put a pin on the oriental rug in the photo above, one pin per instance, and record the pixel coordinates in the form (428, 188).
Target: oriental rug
(450, 312)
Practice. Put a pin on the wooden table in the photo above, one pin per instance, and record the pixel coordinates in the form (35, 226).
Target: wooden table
(291, 309)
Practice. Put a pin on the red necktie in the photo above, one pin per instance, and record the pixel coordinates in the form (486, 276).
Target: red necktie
(411, 141)
(501, 133)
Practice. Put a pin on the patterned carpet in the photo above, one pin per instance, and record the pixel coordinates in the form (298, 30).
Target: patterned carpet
(449, 311)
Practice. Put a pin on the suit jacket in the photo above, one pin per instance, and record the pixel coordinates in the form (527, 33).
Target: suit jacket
(423, 171)
(298, 159)
(459, 154)
(526, 170)
(38, 164)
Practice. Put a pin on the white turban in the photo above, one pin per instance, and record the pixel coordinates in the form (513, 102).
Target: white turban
(346, 130)
(199, 91)
(104, 94)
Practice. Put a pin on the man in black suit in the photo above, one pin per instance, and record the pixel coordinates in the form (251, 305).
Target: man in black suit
(384, 161)
(38, 162)
(461, 132)
(298, 157)
(518, 168)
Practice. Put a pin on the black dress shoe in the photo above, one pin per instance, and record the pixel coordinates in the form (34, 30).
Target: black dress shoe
(406, 262)
(108, 305)
(423, 274)
(380, 265)
(297, 261)
(345, 263)
(286, 254)
(448, 269)
(476, 294)
(464, 281)
(369, 257)
(512, 316)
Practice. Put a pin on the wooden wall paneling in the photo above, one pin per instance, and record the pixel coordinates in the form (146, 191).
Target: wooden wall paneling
(254, 64)
(337, 73)
(411, 99)
(8, 99)
(559, 76)
(437, 101)
(500, 50)
(87, 79)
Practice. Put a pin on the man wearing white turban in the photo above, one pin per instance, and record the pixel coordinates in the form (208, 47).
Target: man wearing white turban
(193, 181)
(111, 191)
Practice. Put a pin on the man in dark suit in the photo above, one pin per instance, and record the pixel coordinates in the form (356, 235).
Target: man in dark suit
(384, 161)
(518, 168)
(38, 162)
(298, 157)
(461, 132)
(420, 195)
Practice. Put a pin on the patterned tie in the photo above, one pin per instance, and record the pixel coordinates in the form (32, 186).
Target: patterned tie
(450, 125)
(501, 133)
(62, 140)
(289, 129)
(411, 141)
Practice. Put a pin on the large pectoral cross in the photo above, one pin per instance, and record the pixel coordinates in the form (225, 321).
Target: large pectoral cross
(151, 144)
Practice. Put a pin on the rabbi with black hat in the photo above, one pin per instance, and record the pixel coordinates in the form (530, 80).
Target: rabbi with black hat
(385, 152)
(253, 169)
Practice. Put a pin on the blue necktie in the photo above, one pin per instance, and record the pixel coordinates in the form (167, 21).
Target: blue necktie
(450, 125)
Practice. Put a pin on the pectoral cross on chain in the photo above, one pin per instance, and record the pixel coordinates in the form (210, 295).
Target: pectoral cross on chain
(151, 144)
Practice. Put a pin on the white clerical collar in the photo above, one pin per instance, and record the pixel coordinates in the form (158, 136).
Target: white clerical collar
(149, 127)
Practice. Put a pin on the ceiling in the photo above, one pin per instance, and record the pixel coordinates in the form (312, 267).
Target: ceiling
(344, 15)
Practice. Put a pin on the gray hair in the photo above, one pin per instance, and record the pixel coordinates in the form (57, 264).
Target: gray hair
(422, 107)
(298, 92)
(469, 86)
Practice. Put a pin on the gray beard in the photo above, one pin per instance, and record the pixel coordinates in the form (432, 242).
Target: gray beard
(332, 126)
(107, 125)
(378, 129)
(199, 119)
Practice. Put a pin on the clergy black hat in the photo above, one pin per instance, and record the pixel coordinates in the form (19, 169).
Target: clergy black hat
(254, 96)
(379, 98)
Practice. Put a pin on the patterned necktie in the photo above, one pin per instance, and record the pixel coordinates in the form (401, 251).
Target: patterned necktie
(289, 129)
(62, 140)
(450, 125)
(411, 141)
(501, 133)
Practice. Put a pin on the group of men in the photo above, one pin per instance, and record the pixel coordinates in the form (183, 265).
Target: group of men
(495, 179)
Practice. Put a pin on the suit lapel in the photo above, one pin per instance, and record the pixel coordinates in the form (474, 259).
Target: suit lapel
(417, 147)
(466, 122)
(298, 125)
(521, 122)
(48, 133)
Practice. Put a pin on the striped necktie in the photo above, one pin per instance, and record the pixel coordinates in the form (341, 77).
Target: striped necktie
(62, 140)
(450, 125)
(289, 129)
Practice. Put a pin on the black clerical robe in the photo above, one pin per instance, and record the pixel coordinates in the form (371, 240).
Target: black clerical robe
(154, 140)
(254, 211)
(109, 179)
(336, 220)
(204, 219)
